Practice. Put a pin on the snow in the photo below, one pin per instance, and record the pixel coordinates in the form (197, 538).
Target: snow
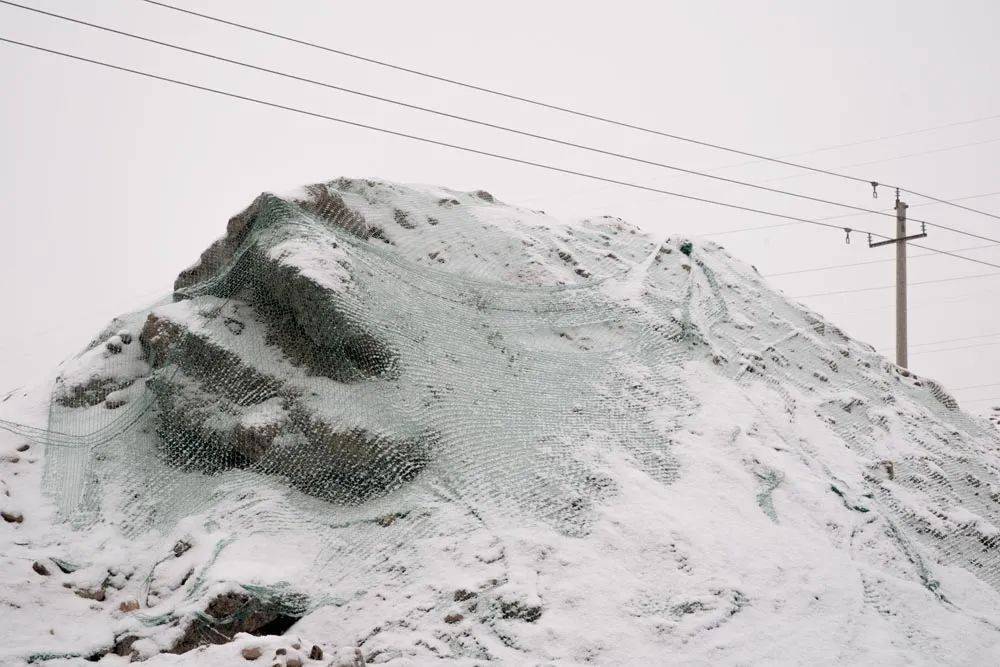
(704, 481)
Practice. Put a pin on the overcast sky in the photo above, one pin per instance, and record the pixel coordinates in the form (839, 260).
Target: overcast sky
(111, 183)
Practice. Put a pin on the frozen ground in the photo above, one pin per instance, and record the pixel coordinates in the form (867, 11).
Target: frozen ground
(408, 425)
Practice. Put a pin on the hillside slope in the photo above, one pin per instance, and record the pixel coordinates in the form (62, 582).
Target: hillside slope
(408, 424)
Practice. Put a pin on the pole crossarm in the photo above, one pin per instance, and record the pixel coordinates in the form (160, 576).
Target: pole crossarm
(900, 240)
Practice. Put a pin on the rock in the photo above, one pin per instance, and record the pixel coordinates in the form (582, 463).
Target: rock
(90, 393)
(12, 517)
(229, 614)
(461, 595)
(181, 548)
(453, 618)
(281, 651)
(293, 661)
(223, 250)
(251, 652)
(23, 448)
(10, 458)
(98, 595)
(128, 606)
(156, 338)
(316, 653)
(64, 566)
(123, 645)
(40, 569)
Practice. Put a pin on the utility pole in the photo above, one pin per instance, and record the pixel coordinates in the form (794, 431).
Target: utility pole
(900, 241)
(901, 360)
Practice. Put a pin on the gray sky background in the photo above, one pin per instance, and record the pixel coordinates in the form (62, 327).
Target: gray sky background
(111, 183)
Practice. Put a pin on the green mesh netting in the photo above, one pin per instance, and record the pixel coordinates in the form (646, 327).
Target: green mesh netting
(364, 355)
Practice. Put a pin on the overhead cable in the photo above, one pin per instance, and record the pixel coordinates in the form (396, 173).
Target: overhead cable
(539, 103)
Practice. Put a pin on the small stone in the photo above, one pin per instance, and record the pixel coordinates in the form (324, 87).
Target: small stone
(12, 517)
(293, 661)
(296, 645)
(23, 448)
(128, 605)
(181, 548)
(91, 595)
(281, 651)
(126, 337)
(251, 652)
(65, 567)
(113, 348)
(10, 458)
(461, 595)
(40, 569)
(453, 618)
(316, 653)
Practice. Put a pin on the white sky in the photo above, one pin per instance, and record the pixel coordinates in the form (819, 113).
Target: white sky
(112, 183)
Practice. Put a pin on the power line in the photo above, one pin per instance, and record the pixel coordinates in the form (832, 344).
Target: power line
(434, 142)
(936, 303)
(946, 340)
(868, 141)
(951, 254)
(751, 229)
(977, 386)
(952, 349)
(873, 140)
(467, 119)
(964, 208)
(851, 215)
(466, 149)
(871, 261)
(983, 400)
(904, 157)
(781, 224)
(911, 284)
(539, 103)
(856, 143)
(956, 199)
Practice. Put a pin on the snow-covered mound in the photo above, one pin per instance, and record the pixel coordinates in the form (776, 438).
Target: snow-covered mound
(406, 424)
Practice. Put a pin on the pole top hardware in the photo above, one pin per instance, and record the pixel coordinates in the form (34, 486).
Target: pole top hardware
(874, 185)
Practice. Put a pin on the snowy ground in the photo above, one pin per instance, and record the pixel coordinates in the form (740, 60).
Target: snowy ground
(670, 465)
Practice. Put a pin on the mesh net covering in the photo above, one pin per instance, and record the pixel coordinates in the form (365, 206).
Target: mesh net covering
(373, 365)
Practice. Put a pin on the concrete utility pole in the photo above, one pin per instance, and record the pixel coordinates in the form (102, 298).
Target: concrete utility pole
(900, 241)
(901, 360)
